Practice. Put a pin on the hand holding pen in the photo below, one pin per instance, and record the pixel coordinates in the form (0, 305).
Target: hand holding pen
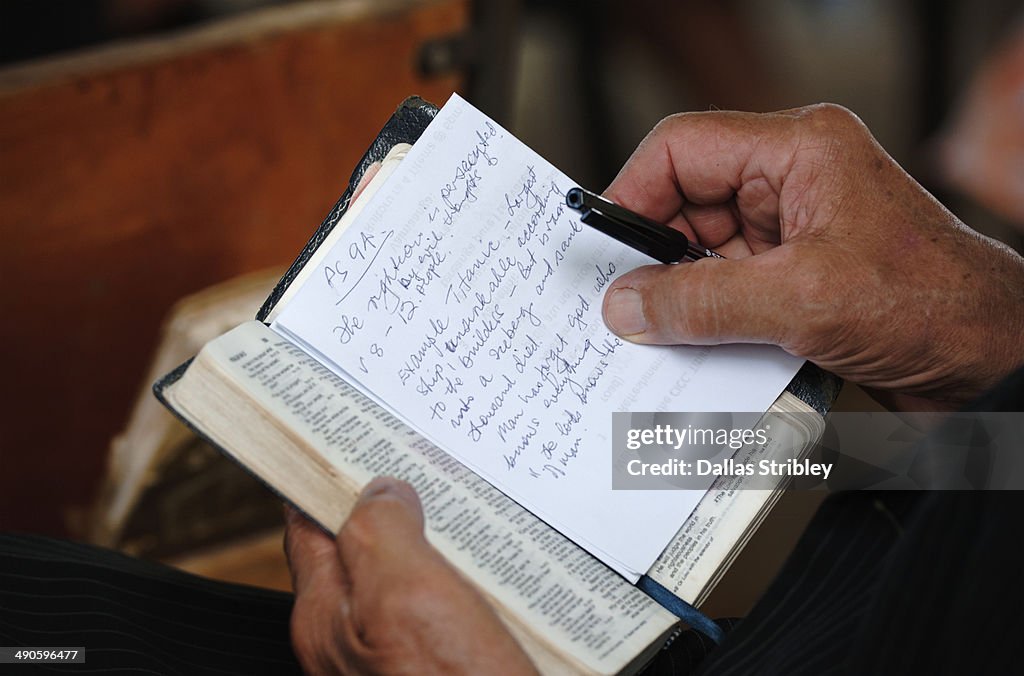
(646, 236)
(834, 253)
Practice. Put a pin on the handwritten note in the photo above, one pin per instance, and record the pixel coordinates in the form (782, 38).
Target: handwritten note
(466, 298)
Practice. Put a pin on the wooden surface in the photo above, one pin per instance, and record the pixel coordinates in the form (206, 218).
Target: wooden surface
(257, 560)
(134, 175)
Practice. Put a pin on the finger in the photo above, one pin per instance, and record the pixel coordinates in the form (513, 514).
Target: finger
(384, 532)
(734, 248)
(383, 551)
(757, 221)
(312, 556)
(408, 601)
(321, 622)
(706, 159)
(716, 223)
(708, 302)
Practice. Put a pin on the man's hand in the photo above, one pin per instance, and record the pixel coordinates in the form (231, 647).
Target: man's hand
(835, 254)
(381, 599)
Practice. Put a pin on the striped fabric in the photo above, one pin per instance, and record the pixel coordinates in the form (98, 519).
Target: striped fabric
(134, 616)
(923, 583)
(890, 583)
(880, 583)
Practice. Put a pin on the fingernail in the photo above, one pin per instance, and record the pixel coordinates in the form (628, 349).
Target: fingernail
(392, 488)
(624, 312)
(379, 486)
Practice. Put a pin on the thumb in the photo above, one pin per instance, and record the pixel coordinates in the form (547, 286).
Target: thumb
(707, 302)
(384, 529)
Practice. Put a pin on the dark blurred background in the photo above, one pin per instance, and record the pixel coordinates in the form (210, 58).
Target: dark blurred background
(152, 148)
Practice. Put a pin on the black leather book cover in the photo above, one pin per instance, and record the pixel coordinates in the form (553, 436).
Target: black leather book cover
(405, 126)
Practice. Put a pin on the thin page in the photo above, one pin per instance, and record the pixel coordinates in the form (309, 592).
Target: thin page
(557, 599)
(466, 298)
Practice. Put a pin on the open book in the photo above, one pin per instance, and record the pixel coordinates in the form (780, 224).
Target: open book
(445, 328)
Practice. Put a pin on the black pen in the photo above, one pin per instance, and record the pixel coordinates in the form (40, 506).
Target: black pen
(646, 236)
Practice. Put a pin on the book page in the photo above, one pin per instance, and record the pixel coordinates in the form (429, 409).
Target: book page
(466, 298)
(390, 162)
(728, 514)
(553, 588)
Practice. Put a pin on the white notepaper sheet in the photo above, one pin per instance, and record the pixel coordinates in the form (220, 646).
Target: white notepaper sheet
(466, 298)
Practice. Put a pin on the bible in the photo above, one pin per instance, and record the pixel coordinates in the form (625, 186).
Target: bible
(445, 328)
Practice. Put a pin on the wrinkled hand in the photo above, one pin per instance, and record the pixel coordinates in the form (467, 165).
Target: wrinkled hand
(381, 599)
(835, 254)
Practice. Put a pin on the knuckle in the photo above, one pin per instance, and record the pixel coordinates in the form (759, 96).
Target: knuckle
(667, 127)
(669, 121)
(693, 302)
(835, 127)
(683, 303)
(834, 115)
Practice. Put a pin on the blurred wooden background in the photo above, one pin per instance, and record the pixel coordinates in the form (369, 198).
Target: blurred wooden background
(134, 174)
